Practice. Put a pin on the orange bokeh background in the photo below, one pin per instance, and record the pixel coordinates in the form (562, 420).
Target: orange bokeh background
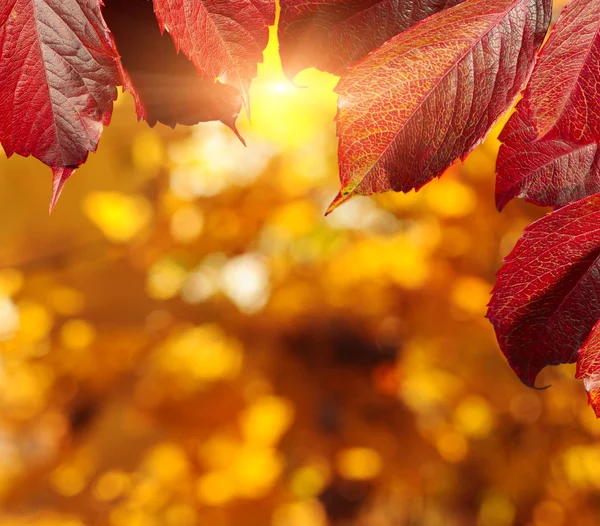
(187, 340)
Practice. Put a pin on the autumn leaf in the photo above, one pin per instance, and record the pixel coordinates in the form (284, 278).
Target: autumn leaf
(549, 154)
(333, 34)
(165, 85)
(429, 96)
(224, 39)
(547, 296)
(58, 72)
(546, 172)
(588, 367)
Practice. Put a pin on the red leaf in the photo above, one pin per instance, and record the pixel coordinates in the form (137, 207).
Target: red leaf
(165, 85)
(429, 96)
(223, 38)
(588, 367)
(547, 172)
(549, 152)
(58, 71)
(547, 296)
(333, 34)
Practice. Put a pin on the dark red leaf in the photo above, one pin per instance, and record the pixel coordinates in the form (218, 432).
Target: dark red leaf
(588, 367)
(165, 85)
(59, 72)
(333, 34)
(223, 38)
(429, 96)
(547, 297)
(549, 152)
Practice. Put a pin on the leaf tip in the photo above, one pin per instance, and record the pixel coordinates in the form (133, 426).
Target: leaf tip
(60, 174)
(502, 200)
(339, 200)
(529, 374)
(234, 129)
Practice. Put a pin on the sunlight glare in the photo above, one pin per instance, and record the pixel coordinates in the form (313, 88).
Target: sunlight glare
(289, 114)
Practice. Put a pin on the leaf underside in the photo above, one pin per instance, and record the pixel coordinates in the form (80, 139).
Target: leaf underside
(165, 85)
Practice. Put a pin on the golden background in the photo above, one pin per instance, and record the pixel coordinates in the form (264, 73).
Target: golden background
(187, 340)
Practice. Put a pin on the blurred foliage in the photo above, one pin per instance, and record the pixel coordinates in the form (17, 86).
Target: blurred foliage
(188, 341)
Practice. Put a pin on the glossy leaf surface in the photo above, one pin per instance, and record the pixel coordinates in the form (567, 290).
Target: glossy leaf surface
(429, 95)
(549, 153)
(58, 72)
(333, 34)
(547, 296)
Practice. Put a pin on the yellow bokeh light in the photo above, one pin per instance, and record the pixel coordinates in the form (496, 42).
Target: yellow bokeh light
(66, 301)
(201, 354)
(165, 279)
(9, 319)
(167, 463)
(449, 198)
(239, 470)
(148, 494)
(77, 334)
(24, 387)
(471, 295)
(36, 321)
(302, 513)
(180, 515)
(264, 421)
(424, 390)
(295, 219)
(582, 465)
(256, 470)
(218, 452)
(359, 463)
(308, 481)
(11, 281)
(404, 259)
(215, 488)
(452, 446)
(187, 224)
(111, 485)
(473, 417)
(68, 480)
(124, 515)
(120, 217)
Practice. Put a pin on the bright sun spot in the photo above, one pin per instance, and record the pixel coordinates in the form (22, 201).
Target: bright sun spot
(283, 112)
(280, 86)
